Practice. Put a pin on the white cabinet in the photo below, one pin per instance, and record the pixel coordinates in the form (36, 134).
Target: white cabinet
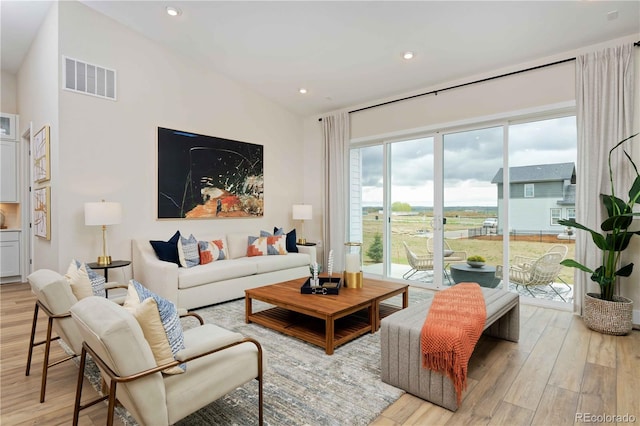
(9, 253)
(8, 172)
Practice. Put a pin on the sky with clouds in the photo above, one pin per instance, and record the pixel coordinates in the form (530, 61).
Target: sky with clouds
(471, 160)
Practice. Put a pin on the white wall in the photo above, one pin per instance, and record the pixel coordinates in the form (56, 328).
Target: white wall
(8, 93)
(37, 96)
(107, 150)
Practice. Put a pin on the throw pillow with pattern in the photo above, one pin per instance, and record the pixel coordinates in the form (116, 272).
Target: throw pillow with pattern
(210, 251)
(160, 323)
(188, 252)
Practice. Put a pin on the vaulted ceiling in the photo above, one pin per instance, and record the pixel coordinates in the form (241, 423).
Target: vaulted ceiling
(347, 52)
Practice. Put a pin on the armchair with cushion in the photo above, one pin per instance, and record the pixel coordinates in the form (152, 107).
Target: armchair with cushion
(55, 297)
(217, 361)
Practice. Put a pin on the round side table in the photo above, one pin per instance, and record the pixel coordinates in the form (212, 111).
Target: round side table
(105, 268)
(485, 276)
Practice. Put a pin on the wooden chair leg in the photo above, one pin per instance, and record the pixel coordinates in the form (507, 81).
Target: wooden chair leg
(33, 336)
(45, 363)
(76, 405)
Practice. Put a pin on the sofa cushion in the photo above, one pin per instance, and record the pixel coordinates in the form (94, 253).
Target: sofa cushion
(237, 243)
(266, 264)
(188, 252)
(167, 250)
(216, 271)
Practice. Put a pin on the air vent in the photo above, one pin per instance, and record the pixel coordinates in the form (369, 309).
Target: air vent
(90, 79)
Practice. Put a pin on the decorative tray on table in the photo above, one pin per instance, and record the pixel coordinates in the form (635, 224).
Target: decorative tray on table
(326, 285)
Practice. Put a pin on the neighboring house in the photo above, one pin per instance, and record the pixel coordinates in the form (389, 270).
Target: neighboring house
(540, 196)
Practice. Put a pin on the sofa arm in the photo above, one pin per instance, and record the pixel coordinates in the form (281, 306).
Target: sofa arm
(157, 275)
(311, 251)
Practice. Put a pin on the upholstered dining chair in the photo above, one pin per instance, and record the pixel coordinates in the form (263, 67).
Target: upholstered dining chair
(217, 362)
(54, 297)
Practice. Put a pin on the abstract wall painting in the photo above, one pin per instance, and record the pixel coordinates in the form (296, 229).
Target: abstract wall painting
(206, 177)
(41, 212)
(41, 161)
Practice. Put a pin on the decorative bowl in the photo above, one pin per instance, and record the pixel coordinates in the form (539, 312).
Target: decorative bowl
(474, 264)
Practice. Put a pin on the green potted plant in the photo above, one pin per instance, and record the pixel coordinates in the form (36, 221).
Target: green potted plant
(476, 261)
(601, 310)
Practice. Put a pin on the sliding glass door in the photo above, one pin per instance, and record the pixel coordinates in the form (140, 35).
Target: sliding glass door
(411, 196)
(471, 160)
(430, 203)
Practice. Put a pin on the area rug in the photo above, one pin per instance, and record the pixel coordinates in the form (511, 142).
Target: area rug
(302, 385)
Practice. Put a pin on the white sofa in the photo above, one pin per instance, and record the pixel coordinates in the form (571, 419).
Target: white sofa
(218, 281)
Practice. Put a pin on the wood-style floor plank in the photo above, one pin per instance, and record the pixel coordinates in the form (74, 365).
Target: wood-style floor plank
(559, 368)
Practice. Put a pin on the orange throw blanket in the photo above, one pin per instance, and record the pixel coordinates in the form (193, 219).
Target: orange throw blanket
(453, 326)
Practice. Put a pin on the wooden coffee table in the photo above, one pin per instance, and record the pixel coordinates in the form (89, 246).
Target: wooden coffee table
(324, 320)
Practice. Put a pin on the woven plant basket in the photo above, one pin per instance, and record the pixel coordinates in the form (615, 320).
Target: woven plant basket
(608, 317)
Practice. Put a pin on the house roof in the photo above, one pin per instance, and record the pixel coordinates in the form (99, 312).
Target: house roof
(538, 173)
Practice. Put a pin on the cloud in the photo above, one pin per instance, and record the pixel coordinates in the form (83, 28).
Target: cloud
(471, 160)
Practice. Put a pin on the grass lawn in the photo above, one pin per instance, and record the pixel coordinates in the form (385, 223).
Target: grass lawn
(414, 230)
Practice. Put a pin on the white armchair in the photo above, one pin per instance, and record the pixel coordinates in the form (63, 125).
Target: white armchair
(54, 298)
(218, 361)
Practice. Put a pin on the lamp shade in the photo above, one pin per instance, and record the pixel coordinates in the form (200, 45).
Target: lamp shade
(302, 212)
(102, 213)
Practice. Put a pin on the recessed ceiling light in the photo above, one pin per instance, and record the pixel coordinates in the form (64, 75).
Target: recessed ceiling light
(407, 55)
(302, 90)
(173, 11)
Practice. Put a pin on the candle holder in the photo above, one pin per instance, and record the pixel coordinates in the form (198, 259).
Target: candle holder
(353, 265)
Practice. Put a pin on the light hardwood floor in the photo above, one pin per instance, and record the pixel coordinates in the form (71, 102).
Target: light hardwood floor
(559, 368)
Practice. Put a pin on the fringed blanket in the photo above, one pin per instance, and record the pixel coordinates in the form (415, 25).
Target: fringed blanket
(453, 326)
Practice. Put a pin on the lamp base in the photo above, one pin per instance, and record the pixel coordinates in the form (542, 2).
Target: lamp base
(302, 241)
(104, 260)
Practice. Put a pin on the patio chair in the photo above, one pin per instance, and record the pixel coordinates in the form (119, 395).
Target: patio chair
(534, 272)
(417, 263)
(450, 255)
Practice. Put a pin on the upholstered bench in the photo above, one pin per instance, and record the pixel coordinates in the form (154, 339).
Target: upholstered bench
(401, 356)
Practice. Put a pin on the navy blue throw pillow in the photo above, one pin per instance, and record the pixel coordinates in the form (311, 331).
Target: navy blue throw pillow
(167, 250)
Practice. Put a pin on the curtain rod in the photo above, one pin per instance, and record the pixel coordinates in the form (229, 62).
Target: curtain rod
(457, 86)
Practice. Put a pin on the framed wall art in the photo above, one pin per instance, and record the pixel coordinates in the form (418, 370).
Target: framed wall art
(205, 177)
(41, 160)
(42, 213)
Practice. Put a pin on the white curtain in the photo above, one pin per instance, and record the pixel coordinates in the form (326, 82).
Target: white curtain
(335, 132)
(604, 97)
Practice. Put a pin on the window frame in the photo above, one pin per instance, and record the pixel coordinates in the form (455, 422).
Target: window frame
(551, 216)
(530, 186)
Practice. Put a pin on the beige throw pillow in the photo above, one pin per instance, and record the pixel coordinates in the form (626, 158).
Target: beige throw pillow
(79, 280)
(147, 315)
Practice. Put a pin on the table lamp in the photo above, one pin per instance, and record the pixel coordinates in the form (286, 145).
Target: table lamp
(302, 212)
(103, 214)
